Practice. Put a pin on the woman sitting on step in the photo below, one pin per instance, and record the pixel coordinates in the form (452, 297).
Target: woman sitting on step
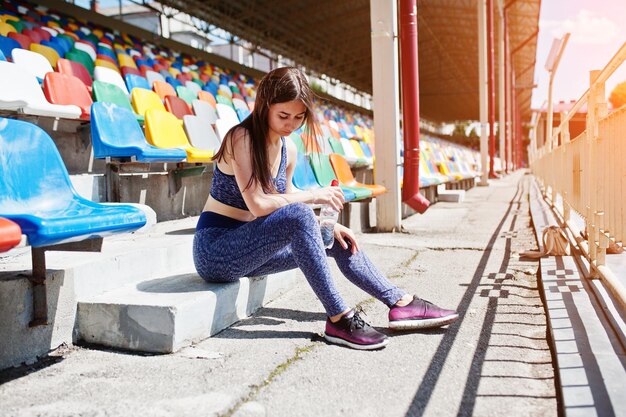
(254, 223)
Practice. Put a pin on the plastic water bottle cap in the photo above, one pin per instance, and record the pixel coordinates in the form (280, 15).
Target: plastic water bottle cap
(334, 183)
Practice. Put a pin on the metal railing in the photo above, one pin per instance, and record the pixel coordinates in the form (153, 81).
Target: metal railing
(589, 174)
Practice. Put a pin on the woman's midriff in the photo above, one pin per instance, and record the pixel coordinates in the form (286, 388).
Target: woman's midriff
(228, 211)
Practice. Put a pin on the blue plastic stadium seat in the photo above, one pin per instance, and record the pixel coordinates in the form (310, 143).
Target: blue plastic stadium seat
(36, 192)
(304, 178)
(116, 133)
(7, 45)
(136, 81)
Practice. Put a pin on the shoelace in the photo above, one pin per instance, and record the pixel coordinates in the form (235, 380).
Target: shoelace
(356, 321)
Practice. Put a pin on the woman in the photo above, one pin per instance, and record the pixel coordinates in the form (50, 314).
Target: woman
(255, 224)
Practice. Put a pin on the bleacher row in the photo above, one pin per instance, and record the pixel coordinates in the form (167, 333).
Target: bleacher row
(149, 104)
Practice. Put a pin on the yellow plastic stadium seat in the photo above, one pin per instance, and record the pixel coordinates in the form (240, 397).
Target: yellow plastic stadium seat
(357, 149)
(106, 64)
(7, 17)
(53, 24)
(126, 61)
(144, 100)
(50, 54)
(97, 32)
(164, 130)
(174, 71)
(6, 28)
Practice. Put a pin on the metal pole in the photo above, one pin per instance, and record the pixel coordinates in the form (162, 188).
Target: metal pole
(501, 86)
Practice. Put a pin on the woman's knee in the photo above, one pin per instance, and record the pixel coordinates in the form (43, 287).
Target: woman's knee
(298, 216)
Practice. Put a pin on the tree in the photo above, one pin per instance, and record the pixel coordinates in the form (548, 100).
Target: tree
(618, 95)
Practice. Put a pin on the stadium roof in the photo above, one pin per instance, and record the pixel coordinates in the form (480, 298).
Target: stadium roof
(333, 38)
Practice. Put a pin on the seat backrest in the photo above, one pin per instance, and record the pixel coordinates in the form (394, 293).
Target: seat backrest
(36, 177)
(208, 97)
(78, 70)
(222, 127)
(81, 57)
(67, 89)
(341, 168)
(163, 89)
(50, 54)
(297, 140)
(186, 94)
(177, 106)
(348, 149)
(144, 100)
(194, 87)
(7, 45)
(87, 48)
(366, 149)
(303, 175)
(22, 39)
(32, 62)
(17, 85)
(109, 76)
(112, 125)
(227, 113)
(164, 130)
(204, 111)
(201, 135)
(110, 93)
(336, 146)
(6, 28)
(136, 81)
(153, 76)
(322, 168)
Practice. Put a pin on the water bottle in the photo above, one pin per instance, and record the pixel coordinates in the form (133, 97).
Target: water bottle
(328, 218)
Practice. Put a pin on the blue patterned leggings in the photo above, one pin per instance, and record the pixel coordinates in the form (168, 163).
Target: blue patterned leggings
(286, 239)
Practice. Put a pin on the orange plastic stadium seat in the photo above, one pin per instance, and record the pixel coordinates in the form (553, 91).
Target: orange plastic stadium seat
(163, 89)
(208, 97)
(10, 234)
(310, 143)
(67, 89)
(177, 106)
(345, 176)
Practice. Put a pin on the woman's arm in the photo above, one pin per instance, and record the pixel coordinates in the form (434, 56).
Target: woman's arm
(261, 204)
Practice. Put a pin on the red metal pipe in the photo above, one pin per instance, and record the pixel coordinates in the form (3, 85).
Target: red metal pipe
(507, 87)
(491, 88)
(410, 106)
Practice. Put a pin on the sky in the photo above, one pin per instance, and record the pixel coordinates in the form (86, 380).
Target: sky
(597, 28)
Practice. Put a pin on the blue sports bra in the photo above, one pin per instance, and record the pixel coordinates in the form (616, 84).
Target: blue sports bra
(225, 189)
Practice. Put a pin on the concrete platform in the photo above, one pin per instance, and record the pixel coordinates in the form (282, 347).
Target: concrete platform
(587, 330)
(150, 271)
(164, 315)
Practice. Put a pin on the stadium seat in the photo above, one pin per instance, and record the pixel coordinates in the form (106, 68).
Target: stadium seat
(109, 76)
(6, 28)
(304, 177)
(50, 54)
(81, 57)
(208, 97)
(10, 234)
(115, 133)
(136, 81)
(222, 127)
(186, 94)
(67, 89)
(204, 111)
(7, 45)
(16, 86)
(163, 89)
(324, 174)
(32, 62)
(194, 87)
(110, 93)
(351, 154)
(153, 76)
(38, 195)
(2, 57)
(164, 130)
(86, 47)
(78, 70)
(227, 113)
(144, 100)
(22, 39)
(200, 134)
(177, 106)
(345, 176)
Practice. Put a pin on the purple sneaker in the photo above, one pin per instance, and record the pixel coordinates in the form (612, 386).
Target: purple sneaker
(420, 314)
(352, 331)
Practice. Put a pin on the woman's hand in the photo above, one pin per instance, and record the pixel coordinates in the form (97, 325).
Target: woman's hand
(343, 234)
(328, 195)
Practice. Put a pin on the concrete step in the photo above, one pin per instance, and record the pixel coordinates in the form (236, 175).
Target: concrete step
(450, 196)
(586, 329)
(164, 315)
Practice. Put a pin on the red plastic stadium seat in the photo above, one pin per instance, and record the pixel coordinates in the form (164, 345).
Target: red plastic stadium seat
(22, 39)
(10, 234)
(34, 35)
(67, 89)
(177, 106)
(78, 70)
(129, 70)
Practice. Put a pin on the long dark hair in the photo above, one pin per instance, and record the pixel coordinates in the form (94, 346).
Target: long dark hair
(280, 85)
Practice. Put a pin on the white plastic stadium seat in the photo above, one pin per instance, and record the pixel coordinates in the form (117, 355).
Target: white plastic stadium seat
(110, 76)
(201, 134)
(193, 87)
(204, 111)
(227, 113)
(153, 76)
(222, 127)
(32, 62)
